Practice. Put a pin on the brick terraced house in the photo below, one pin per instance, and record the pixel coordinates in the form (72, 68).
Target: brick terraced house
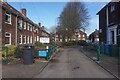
(18, 29)
(94, 37)
(109, 23)
(79, 35)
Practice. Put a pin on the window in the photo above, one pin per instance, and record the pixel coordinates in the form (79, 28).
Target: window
(35, 29)
(7, 18)
(56, 35)
(7, 38)
(24, 39)
(28, 28)
(112, 8)
(96, 36)
(83, 35)
(20, 24)
(20, 39)
(79, 36)
(118, 31)
(31, 39)
(100, 31)
(28, 39)
(24, 25)
(37, 38)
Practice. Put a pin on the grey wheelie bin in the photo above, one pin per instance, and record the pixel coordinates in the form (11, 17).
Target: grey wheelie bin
(28, 54)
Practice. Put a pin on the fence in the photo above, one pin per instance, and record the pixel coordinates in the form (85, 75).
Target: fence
(50, 51)
(112, 50)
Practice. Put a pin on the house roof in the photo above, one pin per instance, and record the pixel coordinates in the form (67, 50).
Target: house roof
(14, 11)
(107, 4)
(93, 34)
(103, 8)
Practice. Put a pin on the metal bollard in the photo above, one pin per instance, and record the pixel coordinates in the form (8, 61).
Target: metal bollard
(98, 54)
(7, 60)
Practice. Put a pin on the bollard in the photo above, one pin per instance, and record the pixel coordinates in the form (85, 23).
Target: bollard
(98, 54)
(7, 60)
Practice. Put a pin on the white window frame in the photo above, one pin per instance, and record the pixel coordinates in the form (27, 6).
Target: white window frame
(112, 8)
(8, 14)
(9, 37)
(28, 27)
(79, 35)
(100, 31)
(20, 39)
(31, 39)
(83, 35)
(20, 23)
(37, 38)
(25, 39)
(28, 40)
(24, 24)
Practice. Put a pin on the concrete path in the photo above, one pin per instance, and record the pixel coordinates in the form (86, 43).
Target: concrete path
(21, 70)
(71, 63)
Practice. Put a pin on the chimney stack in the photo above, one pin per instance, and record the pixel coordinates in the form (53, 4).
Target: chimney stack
(24, 11)
(39, 24)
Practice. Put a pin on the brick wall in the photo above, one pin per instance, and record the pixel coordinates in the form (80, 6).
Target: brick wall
(11, 28)
(102, 25)
(15, 29)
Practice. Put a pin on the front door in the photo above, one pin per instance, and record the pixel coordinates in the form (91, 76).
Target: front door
(112, 37)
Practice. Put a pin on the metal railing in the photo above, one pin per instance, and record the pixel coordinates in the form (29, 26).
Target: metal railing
(50, 51)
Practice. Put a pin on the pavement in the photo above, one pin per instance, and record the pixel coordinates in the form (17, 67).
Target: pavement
(71, 63)
(68, 63)
(21, 70)
(109, 63)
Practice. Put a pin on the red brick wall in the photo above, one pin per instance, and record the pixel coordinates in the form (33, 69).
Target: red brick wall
(102, 25)
(8, 28)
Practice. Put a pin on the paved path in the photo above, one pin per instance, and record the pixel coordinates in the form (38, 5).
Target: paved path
(71, 63)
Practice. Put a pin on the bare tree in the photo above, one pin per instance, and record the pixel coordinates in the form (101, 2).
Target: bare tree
(74, 16)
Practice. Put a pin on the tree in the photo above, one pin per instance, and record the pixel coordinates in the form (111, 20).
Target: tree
(74, 16)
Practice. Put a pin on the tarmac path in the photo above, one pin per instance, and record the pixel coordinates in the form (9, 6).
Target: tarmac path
(72, 63)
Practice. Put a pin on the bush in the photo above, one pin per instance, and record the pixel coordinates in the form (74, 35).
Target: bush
(11, 50)
(82, 42)
(72, 43)
(40, 45)
(19, 51)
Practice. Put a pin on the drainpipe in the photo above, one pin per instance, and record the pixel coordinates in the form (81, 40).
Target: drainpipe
(16, 32)
(107, 33)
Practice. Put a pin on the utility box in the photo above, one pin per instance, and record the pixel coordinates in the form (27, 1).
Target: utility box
(28, 54)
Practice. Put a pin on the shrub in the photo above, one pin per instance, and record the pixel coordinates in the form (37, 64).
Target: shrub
(40, 45)
(82, 42)
(11, 50)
